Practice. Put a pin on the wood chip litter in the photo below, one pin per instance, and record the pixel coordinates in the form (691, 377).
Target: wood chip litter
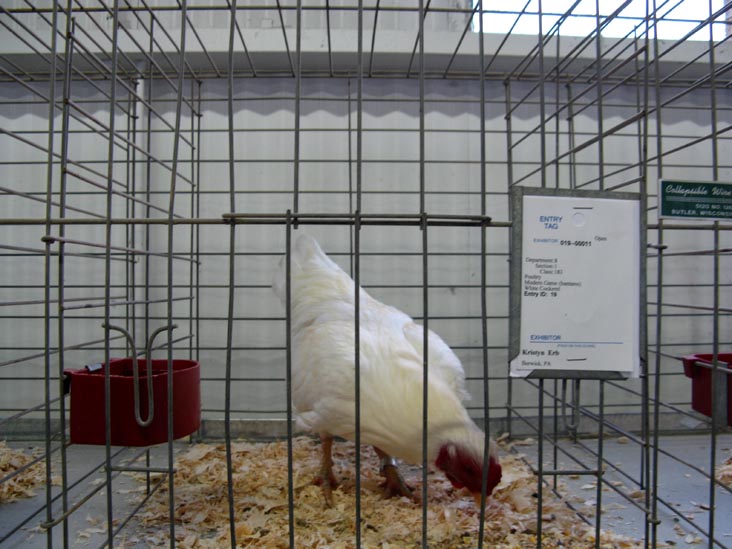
(260, 482)
(724, 472)
(24, 481)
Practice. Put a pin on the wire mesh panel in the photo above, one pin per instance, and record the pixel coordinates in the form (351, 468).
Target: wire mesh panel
(160, 160)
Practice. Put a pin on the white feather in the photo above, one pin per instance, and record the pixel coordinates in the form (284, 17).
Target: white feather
(391, 364)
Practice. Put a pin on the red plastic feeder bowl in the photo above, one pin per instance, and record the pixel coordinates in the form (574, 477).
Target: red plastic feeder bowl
(87, 402)
(701, 382)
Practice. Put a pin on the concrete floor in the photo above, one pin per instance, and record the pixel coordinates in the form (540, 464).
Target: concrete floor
(87, 525)
(684, 489)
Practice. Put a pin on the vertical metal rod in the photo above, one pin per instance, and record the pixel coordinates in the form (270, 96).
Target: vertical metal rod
(643, 137)
(600, 113)
(481, 111)
(720, 380)
(425, 376)
(298, 100)
(571, 138)
(148, 207)
(288, 378)
(540, 468)
(197, 230)
(373, 37)
(555, 430)
(148, 174)
(171, 232)
(130, 207)
(135, 175)
(657, 390)
(483, 281)
(509, 178)
(349, 129)
(542, 100)
(659, 285)
(47, 275)
(357, 264)
(575, 424)
(542, 146)
(193, 191)
(330, 44)
(425, 277)
(129, 229)
(108, 272)
(357, 367)
(295, 209)
(359, 112)
(486, 391)
(422, 207)
(601, 181)
(69, 33)
(719, 390)
(557, 119)
(284, 35)
(600, 460)
(232, 279)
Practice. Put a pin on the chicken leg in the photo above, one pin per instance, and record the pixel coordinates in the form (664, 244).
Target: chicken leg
(394, 485)
(326, 478)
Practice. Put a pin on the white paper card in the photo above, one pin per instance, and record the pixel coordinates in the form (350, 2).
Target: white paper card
(580, 285)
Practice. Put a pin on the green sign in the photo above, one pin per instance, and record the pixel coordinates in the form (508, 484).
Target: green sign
(694, 199)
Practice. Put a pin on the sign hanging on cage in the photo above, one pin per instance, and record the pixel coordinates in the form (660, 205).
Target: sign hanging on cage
(694, 199)
(575, 284)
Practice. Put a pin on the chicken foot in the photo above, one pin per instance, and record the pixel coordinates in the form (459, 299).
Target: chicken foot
(326, 478)
(394, 484)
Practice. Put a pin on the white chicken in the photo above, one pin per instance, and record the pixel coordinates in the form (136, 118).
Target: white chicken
(391, 379)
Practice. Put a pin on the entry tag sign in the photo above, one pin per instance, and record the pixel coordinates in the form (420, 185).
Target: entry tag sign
(579, 287)
(695, 199)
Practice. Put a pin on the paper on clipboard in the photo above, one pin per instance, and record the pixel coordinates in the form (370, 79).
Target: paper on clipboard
(579, 286)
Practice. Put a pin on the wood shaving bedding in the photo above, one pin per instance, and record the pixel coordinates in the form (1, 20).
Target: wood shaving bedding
(23, 484)
(261, 505)
(724, 472)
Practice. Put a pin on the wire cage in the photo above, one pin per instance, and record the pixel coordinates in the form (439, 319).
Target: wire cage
(159, 157)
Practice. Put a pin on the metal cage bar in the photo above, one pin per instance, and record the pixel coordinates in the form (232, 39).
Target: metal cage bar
(364, 118)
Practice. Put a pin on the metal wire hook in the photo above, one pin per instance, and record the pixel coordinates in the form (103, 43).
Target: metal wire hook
(149, 349)
(136, 372)
(136, 378)
(574, 423)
